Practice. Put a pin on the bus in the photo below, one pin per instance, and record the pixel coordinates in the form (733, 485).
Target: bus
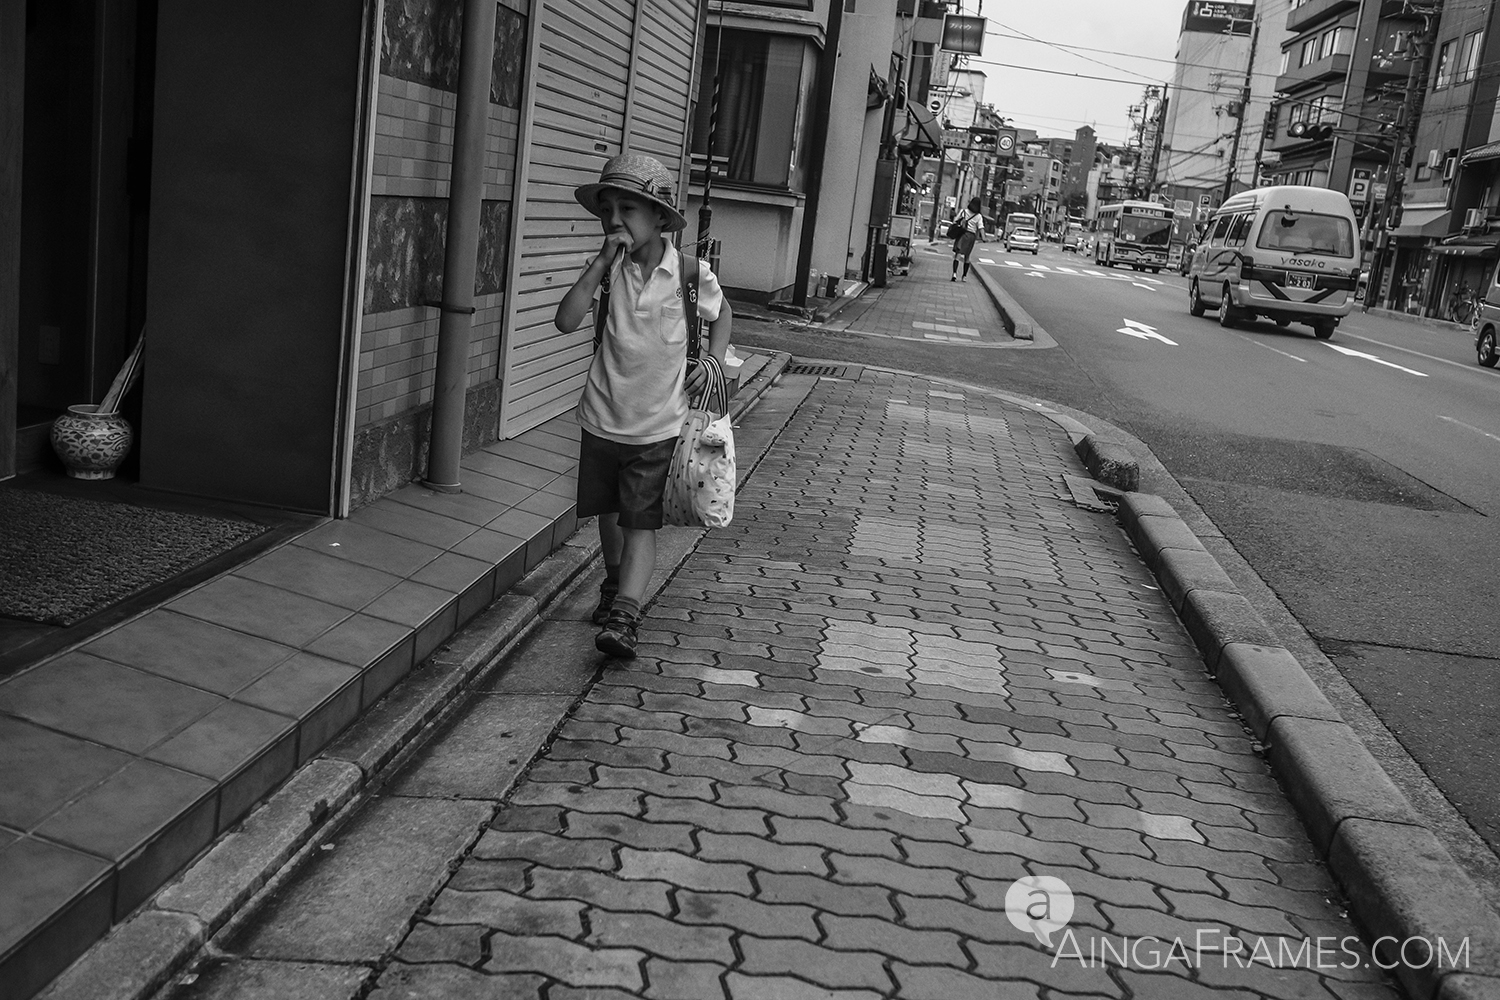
(1135, 233)
(1019, 220)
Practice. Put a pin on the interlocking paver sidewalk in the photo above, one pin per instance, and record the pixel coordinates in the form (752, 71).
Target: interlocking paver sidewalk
(911, 673)
(926, 305)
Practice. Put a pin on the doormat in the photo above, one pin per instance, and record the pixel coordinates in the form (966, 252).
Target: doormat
(64, 558)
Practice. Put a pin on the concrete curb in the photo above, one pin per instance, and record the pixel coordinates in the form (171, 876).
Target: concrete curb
(1018, 322)
(838, 305)
(1427, 321)
(1401, 882)
(140, 955)
(1109, 463)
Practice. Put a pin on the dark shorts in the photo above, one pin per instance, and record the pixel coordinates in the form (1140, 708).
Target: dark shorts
(627, 478)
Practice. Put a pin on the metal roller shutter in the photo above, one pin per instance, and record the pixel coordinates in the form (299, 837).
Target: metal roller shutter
(600, 68)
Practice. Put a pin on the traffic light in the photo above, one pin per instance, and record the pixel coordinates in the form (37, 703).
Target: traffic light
(1311, 131)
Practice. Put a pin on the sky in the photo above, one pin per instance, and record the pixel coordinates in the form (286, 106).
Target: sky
(1139, 39)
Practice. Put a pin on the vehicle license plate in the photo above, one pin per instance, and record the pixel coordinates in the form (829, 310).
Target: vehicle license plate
(1294, 280)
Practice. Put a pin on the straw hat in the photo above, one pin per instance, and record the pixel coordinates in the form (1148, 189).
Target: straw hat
(640, 175)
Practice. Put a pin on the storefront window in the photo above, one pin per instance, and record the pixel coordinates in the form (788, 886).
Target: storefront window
(765, 106)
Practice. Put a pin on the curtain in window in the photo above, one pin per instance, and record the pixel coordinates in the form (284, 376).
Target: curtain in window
(742, 71)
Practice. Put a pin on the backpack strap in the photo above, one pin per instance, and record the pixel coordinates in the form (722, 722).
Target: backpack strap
(689, 271)
(690, 306)
(601, 311)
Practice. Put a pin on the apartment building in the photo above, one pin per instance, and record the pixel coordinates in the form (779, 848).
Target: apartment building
(1223, 86)
(1343, 64)
(1451, 191)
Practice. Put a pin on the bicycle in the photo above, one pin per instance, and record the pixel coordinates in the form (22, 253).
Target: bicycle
(1461, 304)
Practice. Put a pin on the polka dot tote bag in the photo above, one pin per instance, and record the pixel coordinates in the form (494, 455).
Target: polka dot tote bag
(701, 479)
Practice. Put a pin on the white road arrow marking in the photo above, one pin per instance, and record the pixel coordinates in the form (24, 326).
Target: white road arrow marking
(1370, 357)
(1143, 332)
(1035, 274)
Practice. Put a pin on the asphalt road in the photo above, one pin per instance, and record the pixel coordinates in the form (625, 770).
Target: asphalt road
(1359, 477)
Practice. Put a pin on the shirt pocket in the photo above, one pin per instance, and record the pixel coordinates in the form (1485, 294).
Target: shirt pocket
(673, 323)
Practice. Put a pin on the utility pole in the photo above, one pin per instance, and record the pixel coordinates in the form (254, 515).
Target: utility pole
(1161, 124)
(1140, 143)
(937, 189)
(1408, 117)
(1239, 119)
(1260, 148)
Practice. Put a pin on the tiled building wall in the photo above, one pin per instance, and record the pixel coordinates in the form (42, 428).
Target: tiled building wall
(408, 224)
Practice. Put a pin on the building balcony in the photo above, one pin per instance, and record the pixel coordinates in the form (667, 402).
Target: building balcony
(1315, 12)
(1327, 68)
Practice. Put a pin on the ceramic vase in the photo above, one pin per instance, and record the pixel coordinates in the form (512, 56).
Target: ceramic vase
(91, 445)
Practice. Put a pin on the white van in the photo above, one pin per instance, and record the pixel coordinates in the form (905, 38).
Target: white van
(1290, 254)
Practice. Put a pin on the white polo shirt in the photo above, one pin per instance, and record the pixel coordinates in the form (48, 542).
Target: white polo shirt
(634, 393)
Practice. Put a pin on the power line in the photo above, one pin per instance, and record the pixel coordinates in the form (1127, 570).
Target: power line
(1112, 52)
(1064, 48)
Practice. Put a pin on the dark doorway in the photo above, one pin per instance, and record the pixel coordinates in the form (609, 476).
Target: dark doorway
(85, 169)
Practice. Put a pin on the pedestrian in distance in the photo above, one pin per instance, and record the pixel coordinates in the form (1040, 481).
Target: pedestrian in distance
(636, 397)
(972, 222)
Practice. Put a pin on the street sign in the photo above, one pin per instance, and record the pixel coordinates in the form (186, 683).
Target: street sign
(1359, 190)
(963, 34)
(934, 105)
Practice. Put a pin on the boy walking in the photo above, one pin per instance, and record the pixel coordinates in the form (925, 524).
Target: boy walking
(636, 397)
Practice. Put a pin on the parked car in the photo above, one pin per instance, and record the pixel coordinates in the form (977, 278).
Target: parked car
(1289, 253)
(1073, 238)
(1023, 239)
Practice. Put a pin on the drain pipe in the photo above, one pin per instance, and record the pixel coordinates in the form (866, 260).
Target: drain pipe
(465, 195)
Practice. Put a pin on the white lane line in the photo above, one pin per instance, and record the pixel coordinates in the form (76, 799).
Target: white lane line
(1268, 347)
(1013, 263)
(1370, 357)
(1420, 354)
(1035, 274)
(1146, 287)
(1097, 274)
(1041, 267)
(1066, 270)
(1470, 427)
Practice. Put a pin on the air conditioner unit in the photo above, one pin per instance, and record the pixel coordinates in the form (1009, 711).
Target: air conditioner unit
(1474, 218)
(1434, 159)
